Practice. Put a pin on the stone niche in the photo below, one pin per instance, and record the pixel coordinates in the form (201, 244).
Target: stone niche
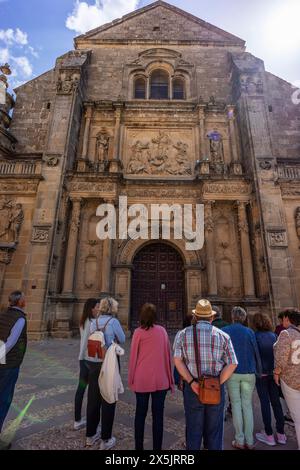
(157, 153)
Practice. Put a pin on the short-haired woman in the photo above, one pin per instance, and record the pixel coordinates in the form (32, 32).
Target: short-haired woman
(241, 384)
(287, 364)
(113, 331)
(266, 387)
(150, 373)
(90, 311)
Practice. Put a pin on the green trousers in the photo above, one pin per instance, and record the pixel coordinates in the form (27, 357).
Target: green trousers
(240, 389)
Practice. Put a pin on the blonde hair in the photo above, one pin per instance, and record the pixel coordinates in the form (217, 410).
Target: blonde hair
(108, 306)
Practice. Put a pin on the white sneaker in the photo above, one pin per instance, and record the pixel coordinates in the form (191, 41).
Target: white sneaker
(263, 437)
(106, 445)
(281, 439)
(90, 441)
(80, 424)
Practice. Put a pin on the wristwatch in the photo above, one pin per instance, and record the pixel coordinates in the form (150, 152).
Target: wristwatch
(193, 380)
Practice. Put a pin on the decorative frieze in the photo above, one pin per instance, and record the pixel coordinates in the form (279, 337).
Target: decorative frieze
(12, 187)
(227, 188)
(94, 187)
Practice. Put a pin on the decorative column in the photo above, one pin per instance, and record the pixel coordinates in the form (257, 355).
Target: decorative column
(86, 135)
(210, 250)
(106, 262)
(115, 163)
(204, 160)
(235, 165)
(247, 264)
(72, 247)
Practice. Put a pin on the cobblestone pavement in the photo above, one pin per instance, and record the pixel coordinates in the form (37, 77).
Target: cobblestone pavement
(41, 416)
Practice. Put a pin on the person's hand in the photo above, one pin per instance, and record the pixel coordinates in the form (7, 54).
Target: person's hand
(195, 388)
(276, 379)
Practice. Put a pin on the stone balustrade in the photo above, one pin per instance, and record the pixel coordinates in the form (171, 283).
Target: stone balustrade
(289, 172)
(20, 168)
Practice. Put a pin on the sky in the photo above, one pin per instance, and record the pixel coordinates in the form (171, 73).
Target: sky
(33, 33)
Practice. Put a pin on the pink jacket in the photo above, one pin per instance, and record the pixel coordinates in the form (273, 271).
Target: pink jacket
(150, 366)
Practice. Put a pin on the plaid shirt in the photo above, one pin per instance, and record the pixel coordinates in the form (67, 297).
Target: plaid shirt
(215, 349)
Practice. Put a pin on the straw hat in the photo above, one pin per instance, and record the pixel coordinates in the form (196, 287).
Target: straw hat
(203, 309)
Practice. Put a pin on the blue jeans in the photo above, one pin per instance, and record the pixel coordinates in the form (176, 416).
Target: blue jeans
(158, 403)
(203, 420)
(8, 380)
(268, 393)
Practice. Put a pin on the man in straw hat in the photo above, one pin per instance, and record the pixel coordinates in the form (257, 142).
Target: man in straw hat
(216, 358)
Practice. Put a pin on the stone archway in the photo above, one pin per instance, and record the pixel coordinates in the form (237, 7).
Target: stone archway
(158, 277)
(123, 267)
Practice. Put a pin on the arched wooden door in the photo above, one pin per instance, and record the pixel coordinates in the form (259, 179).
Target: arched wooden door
(158, 278)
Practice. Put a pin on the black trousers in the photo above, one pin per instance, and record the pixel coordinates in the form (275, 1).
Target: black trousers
(268, 393)
(158, 402)
(96, 405)
(8, 380)
(83, 383)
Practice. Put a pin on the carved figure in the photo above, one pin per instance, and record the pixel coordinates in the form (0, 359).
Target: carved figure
(11, 219)
(102, 147)
(216, 147)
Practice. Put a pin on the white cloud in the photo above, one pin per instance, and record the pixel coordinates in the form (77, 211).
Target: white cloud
(4, 55)
(33, 52)
(10, 36)
(23, 66)
(86, 17)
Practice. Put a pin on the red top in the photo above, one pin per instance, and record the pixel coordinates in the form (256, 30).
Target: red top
(150, 368)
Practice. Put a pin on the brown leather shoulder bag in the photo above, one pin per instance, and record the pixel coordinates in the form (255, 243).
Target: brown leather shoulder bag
(209, 386)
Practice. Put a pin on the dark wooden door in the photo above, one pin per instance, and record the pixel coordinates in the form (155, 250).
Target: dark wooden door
(158, 278)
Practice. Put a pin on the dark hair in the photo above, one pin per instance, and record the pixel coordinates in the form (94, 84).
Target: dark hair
(280, 315)
(293, 315)
(147, 316)
(261, 322)
(87, 311)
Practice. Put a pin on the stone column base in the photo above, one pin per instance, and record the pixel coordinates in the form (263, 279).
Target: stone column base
(64, 314)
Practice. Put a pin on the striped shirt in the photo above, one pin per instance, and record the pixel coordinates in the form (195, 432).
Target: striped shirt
(215, 349)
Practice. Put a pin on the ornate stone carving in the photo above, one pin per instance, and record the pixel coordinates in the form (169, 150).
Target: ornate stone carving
(11, 187)
(265, 165)
(41, 233)
(75, 220)
(102, 147)
(209, 221)
(277, 238)
(86, 186)
(223, 188)
(52, 160)
(159, 192)
(67, 82)
(11, 219)
(156, 156)
(216, 147)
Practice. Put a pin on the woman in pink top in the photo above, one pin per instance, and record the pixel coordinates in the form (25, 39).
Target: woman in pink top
(150, 373)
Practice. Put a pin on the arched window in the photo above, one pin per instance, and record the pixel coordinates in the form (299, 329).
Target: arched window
(178, 89)
(159, 85)
(140, 89)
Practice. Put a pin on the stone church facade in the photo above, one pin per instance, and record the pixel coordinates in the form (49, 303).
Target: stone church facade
(161, 107)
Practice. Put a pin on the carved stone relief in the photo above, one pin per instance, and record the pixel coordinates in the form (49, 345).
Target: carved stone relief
(41, 234)
(11, 219)
(52, 160)
(67, 82)
(160, 154)
(102, 147)
(278, 238)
